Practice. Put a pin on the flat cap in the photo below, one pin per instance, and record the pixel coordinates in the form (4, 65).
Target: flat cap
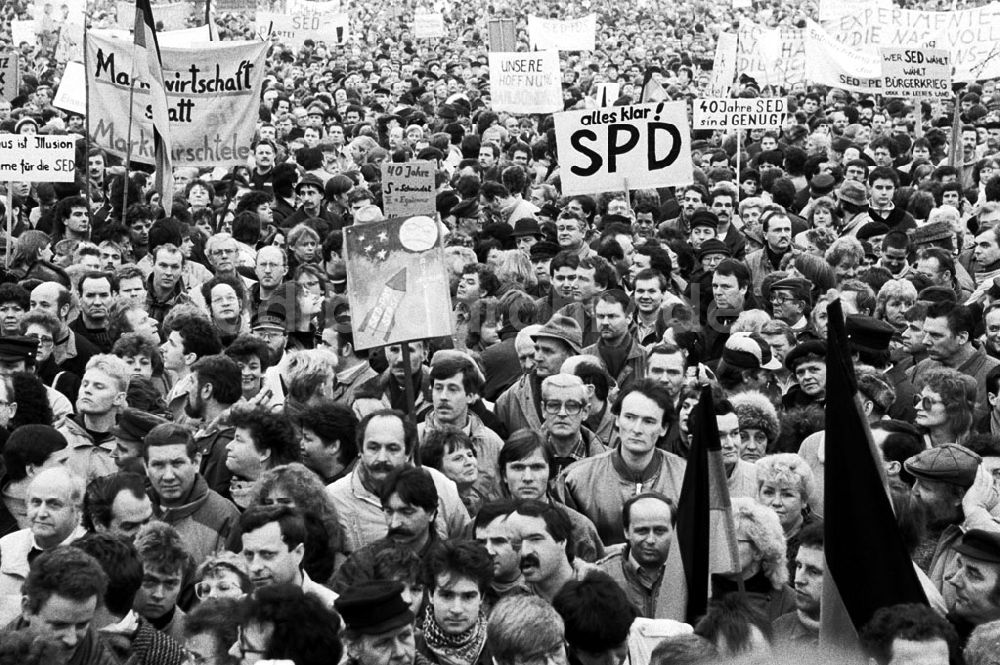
(869, 333)
(18, 347)
(134, 425)
(543, 250)
(799, 287)
(930, 232)
(563, 328)
(981, 545)
(821, 184)
(949, 463)
(374, 607)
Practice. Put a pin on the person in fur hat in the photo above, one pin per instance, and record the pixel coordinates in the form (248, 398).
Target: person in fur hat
(759, 424)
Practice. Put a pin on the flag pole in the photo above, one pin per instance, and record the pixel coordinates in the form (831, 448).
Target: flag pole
(86, 115)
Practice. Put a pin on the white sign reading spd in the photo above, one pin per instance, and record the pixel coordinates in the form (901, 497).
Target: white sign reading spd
(647, 145)
(726, 113)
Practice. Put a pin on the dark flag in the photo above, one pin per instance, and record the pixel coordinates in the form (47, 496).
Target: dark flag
(145, 39)
(704, 540)
(867, 566)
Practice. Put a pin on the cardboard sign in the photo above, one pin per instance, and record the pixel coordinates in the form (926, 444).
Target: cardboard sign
(578, 34)
(72, 93)
(398, 281)
(37, 158)
(171, 17)
(408, 189)
(295, 29)
(724, 113)
(212, 93)
(647, 144)
(9, 74)
(526, 82)
(428, 26)
(724, 66)
(832, 63)
(916, 72)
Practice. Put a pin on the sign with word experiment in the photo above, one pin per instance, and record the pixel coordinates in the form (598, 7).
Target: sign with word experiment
(725, 113)
(37, 158)
(525, 82)
(399, 283)
(916, 72)
(212, 94)
(647, 145)
(408, 189)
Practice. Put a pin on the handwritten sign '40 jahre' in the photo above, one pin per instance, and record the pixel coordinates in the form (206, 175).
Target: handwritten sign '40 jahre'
(408, 189)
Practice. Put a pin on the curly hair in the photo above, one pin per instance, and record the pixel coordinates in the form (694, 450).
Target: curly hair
(218, 617)
(133, 344)
(787, 470)
(305, 631)
(760, 525)
(958, 394)
(465, 558)
(270, 431)
(308, 493)
(160, 547)
(331, 421)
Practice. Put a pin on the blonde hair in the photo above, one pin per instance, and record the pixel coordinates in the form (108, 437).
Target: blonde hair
(760, 525)
(114, 367)
(786, 470)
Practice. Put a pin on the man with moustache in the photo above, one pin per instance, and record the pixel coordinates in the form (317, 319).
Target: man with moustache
(777, 228)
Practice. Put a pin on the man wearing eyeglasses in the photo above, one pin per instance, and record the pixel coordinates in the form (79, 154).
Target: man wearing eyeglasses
(566, 406)
(790, 302)
(222, 252)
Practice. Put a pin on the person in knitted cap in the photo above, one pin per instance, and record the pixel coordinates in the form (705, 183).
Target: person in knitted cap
(759, 424)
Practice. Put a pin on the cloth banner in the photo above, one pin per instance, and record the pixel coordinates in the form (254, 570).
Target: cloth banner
(771, 56)
(833, 63)
(173, 17)
(576, 34)
(294, 29)
(213, 91)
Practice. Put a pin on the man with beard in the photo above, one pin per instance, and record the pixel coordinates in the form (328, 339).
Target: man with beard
(188, 338)
(649, 520)
(387, 439)
(546, 563)
(139, 219)
(353, 368)
(216, 387)
(942, 476)
(409, 501)
(777, 229)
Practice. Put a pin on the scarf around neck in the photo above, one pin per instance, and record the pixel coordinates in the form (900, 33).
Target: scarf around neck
(463, 649)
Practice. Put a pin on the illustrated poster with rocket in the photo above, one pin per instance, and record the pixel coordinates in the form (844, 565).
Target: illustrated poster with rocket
(397, 282)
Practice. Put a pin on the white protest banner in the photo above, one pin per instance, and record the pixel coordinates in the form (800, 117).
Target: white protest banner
(724, 66)
(9, 75)
(399, 281)
(172, 17)
(408, 189)
(830, 10)
(771, 56)
(916, 72)
(70, 44)
(212, 93)
(72, 93)
(22, 30)
(37, 158)
(526, 82)
(970, 35)
(832, 63)
(577, 34)
(428, 26)
(295, 29)
(184, 38)
(234, 6)
(649, 145)
(726, 113)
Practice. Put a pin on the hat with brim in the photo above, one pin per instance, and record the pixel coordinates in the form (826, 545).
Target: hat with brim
(980, 545)
(133, 424)
(563, 328)
(16, 348)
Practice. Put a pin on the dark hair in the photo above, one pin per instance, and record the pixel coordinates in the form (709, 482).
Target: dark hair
(23, 451)
(199, 335)
(218, 617)
(812, 536)
(223, 374)
(960, 318)
(305, 631)
(659, 258)
(101, 494)
(413, 485)
(444, 441)
(409, 429)
(170, 434)
(734, 268)
(120, 562)
(12, 293)
(331, 421)
(490, 511)
(903, 440)
(730, 619)
(631, 501)
(458, 557)
(67, 571)
(557, 523)
(249, 346)
(910, 621)
(689, 649)
(593, 374)
(270, 431)
(653, 390)
(448, 367)
(521, 444)
(233, 282)
(290, 521)
(597, 613)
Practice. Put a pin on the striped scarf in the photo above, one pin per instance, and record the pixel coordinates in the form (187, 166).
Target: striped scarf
(461, 649)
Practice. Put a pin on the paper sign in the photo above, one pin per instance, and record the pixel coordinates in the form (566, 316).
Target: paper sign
(832, 63)
(576, 34)
(37, 158)
(22, 31)
(9, 73)
(753, 113)
(398, 281)
(72, 93)
(724, 66)
(171, 17)
(295, 29)
(916, 72)
(408, 189)
(525, 82)
(647, 144)
(428, 26)
(212, 94)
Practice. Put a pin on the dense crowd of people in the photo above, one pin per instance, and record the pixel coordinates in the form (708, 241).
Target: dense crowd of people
(199, 465)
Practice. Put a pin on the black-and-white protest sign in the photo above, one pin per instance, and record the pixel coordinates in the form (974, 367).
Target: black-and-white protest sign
(916, 72)
(726, 113)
